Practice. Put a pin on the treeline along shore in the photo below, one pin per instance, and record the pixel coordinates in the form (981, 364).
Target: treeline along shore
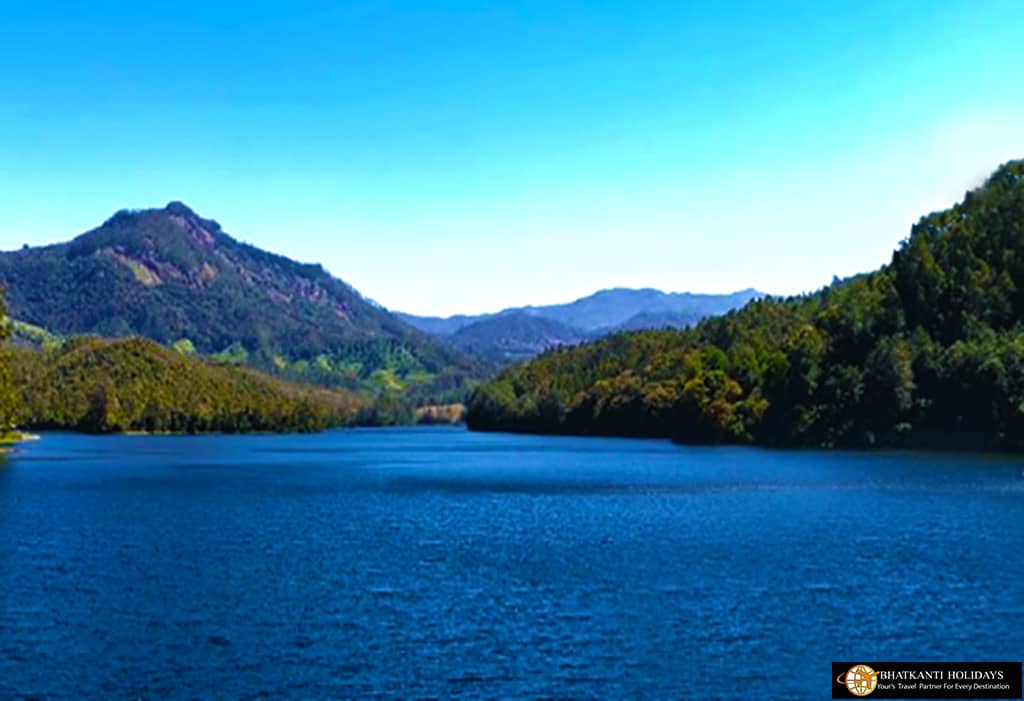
(926, 352)
(101, 385)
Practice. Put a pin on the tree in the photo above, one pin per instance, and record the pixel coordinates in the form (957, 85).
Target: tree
(8, 399)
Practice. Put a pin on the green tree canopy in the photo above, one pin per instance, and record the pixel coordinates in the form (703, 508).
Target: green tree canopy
(927, 351)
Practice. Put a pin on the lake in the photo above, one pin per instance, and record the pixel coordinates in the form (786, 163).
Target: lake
(434, 562)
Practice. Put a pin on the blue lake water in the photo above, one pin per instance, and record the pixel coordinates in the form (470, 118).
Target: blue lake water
(411, 563)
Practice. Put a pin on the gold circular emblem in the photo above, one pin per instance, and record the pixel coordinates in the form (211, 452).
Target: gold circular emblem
(860, 680)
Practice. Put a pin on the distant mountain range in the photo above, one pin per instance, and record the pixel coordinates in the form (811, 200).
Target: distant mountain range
(177, 278)
(520, 333)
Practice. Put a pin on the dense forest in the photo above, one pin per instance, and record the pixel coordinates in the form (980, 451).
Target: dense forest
(114, 385)
(8, 398)
(926, 352)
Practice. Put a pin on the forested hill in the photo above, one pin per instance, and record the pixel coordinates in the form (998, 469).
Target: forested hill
(511, 338)
(927, 351)
(175, 277)
(102, 385)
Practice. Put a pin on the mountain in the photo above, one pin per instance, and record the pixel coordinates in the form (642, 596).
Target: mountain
(174, 277)
(605, 310)
(104, 386)
(608, 309)
(510, 335)
(444, 326)
(513, 337)
(660, 320)
(926, 352)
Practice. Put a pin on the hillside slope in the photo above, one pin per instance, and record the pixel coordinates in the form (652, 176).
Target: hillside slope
(927, 351)
(510, 338)
(171, 275)
(103, 385)
(662, 320)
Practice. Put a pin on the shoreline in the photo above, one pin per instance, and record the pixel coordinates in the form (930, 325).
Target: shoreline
(10, 440)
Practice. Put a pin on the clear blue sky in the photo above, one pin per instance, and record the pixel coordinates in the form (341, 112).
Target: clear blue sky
(465, 156)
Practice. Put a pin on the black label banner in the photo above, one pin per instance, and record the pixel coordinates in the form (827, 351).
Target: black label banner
(926, 680)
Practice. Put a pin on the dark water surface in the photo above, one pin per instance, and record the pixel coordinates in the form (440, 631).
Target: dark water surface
(410, 563)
